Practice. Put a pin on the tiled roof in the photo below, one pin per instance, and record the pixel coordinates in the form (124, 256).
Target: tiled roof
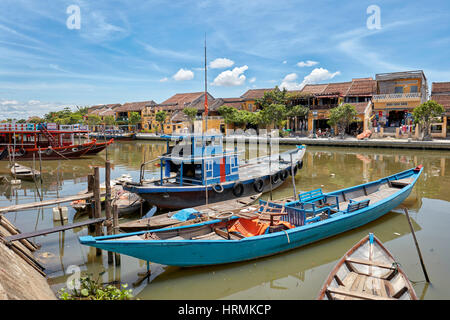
(362, 87)
(101, 107)
(134, 106)
(182, 98)
(314, 88)
(440, 87)
(339, 88)
(255, 93)
(443, 99)
(359, 106)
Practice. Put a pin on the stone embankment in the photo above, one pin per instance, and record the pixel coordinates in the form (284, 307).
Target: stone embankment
(20, 275)
(337, 142)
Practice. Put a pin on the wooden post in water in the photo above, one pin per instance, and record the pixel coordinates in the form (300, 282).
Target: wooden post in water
(116, 231)
(270, 165)
(89, 204)
(417, 245)
(108, 205)
(293, 178)
(97, 205)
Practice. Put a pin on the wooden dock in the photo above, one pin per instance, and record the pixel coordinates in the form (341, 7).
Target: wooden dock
(31, 205)
(27, 235)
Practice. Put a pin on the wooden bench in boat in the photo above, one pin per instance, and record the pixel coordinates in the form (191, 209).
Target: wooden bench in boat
(356, 205)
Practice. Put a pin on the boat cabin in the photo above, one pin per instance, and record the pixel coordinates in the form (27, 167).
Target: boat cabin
(199, 160)
(34, 136)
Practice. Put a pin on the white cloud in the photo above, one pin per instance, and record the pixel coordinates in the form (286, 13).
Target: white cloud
(284, 62)
(221, 63)
(9, 102)
(165, 79)
(316, 76)
(183, 75)
(252, 80)
(13, 109)
(231, 78)
(307, 63)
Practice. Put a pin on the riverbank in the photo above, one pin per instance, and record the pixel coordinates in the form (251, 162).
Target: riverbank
(337, 142)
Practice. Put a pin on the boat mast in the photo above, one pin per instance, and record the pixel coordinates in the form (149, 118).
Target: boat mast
(206, 93)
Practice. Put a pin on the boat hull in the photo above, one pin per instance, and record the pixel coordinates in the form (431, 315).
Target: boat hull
(180, 197)
(193, 197)
(99, 147)
(209, 252)
(71, 152)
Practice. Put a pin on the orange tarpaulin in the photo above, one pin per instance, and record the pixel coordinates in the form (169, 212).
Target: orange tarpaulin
(255, 227)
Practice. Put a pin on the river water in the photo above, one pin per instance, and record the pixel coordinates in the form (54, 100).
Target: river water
(297, 274)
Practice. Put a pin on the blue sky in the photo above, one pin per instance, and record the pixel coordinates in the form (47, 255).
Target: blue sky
(149, 50)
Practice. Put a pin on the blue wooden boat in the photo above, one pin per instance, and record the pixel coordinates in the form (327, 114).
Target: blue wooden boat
(313, 217)
(198, 165)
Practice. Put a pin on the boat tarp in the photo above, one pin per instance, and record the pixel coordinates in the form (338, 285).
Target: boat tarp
(250, 228)
(185, 214)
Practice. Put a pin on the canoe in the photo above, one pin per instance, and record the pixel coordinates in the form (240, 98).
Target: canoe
(205, 212)
(304, 222)
(368, 271)
(21, 172)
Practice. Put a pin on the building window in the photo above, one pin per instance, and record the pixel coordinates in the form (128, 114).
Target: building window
(398, 89)
(413, 89)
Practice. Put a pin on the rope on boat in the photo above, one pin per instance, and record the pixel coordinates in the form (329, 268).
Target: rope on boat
(289, 241)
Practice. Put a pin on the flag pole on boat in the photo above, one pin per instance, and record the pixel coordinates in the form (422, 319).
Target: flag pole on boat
(206, 129)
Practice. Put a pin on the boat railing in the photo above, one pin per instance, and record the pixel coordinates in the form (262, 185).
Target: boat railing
(142, 169)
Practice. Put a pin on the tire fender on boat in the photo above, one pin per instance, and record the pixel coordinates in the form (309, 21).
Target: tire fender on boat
(220, 190)
(275, 178)
(284, 174)
(48, 151)
(300, 164)
(295, 169)
(74, 149)
(238, 189)
(22, 152)
(258, 185)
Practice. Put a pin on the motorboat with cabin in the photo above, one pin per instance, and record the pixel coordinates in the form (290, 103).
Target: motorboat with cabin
(197, 170)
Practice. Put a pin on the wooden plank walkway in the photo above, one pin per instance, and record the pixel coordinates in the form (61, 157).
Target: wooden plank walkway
(27, 235)
(31, 205)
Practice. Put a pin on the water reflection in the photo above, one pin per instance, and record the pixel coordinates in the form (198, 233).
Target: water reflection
(297, 274)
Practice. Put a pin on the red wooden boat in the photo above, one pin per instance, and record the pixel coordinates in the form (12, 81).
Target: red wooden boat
(100, 146)
(48, 141)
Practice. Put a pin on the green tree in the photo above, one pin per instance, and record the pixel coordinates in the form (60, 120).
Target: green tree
(191, 113)
(228, 113)
(425, 114)
(161, 118)
(134, 118)
(93, 120)
(274, 114)
(342, 116)
(109, 120)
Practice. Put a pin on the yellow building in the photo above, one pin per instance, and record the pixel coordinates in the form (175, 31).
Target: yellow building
(250, 96)
(321, 98)
(398, 93)
(124, 111)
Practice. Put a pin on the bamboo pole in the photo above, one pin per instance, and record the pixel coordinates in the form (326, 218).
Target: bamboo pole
(108, 205)
(270, 165)
(417, 245)
(97, 205)
(116, 231)
(293, 178)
